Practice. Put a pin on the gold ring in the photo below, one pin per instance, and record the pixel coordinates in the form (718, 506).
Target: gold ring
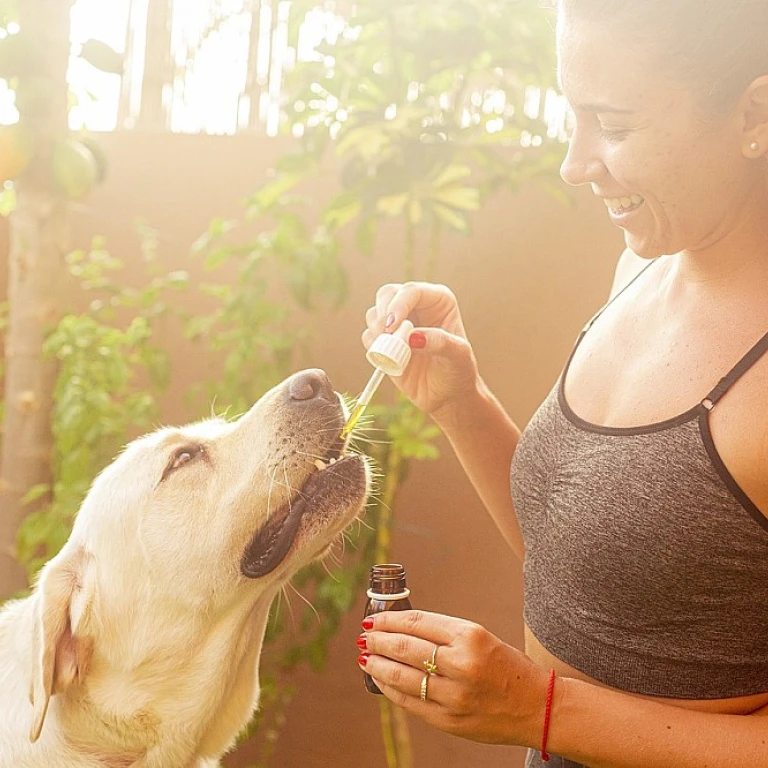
(424, 684)
(431, 665)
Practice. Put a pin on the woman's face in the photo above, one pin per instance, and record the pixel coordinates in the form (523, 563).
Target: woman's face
(669, 179)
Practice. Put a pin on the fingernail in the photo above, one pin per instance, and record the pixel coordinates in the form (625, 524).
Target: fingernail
(363, 658)
(367, 623)
(362, 643)
(390, 320)
(417, 340)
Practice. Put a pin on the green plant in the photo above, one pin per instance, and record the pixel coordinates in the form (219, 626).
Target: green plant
(99, 399)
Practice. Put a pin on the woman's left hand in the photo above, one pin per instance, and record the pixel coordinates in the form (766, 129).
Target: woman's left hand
(483, 689)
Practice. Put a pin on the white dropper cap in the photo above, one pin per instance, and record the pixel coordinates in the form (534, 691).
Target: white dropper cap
(390, 355)
(390, 351)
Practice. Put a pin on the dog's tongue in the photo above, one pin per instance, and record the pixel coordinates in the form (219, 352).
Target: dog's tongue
(270, 545)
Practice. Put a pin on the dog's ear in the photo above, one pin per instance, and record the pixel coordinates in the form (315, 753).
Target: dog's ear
(61, 649)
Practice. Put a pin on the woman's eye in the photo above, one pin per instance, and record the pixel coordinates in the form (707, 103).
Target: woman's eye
(613, 134)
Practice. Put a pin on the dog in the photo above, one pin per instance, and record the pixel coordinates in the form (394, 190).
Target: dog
(139, 646)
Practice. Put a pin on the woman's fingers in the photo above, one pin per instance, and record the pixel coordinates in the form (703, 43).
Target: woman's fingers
(384, 296)
(421, 643)
(413, 651)
(392, 673)
(434, 627)
(423, 303)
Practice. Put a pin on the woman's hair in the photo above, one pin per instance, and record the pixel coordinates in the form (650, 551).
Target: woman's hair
(717, 47)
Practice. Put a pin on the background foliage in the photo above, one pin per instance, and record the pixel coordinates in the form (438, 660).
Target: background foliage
(423, 115)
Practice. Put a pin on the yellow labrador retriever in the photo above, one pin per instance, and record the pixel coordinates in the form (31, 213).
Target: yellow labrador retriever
(140, 645)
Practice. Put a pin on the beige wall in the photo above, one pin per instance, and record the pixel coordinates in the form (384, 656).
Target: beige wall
(529, 277)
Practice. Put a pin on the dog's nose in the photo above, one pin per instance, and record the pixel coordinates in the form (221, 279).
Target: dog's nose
(311, 384)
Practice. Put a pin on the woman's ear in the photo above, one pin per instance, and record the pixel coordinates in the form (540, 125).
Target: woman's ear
(61, 649)
(755, 112)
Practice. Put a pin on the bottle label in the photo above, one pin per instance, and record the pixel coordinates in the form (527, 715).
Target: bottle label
(396, 596)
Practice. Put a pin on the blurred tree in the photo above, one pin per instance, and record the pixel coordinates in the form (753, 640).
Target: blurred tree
(48, 166)
(35, 61)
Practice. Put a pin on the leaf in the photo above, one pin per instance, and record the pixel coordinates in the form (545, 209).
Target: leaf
(453, 219)
(365, 237)
(342, 209)
(367, 140)
(451, 174)
(216, 229)
(103, 57)
(270, 194)
(7, 201)
(463, 198)
(392, 205)
(217, 257)
(36, 492)
(415, 212)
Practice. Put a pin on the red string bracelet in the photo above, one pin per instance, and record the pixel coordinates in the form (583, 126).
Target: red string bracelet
(547, 714)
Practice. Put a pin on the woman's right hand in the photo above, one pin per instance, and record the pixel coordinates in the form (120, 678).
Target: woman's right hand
(443, 368)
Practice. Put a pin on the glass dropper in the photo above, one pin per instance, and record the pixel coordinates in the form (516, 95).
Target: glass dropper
(389, 354)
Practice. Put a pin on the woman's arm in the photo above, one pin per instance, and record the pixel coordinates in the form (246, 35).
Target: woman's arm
(442, 379)
(486, 690)
(484, 439)
(603, 728)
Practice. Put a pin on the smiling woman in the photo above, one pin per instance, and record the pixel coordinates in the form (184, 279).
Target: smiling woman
(636, 498)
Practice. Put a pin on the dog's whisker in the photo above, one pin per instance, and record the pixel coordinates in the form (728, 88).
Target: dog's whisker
(337, 559)
(330, 573)
(289, 605)
(308, 602)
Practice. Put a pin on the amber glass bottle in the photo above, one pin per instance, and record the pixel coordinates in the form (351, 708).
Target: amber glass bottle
(387, 592)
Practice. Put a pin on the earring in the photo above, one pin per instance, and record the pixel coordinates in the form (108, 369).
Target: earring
(754, 146)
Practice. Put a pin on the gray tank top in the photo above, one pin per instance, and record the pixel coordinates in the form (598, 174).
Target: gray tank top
(646, 565)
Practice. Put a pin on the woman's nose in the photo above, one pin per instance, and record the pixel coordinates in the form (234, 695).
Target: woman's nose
(581, 165)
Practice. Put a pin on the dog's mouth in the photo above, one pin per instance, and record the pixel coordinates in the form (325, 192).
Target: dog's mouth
(337, 484)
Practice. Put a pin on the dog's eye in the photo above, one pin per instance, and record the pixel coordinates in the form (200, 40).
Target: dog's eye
(185, 455)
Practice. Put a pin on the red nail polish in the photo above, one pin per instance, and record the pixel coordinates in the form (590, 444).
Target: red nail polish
(367, 623)
(362, 643)
(390, 320)
(363, 658)
(417, 340)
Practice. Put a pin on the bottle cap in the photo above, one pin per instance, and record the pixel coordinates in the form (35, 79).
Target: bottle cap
(390, 351)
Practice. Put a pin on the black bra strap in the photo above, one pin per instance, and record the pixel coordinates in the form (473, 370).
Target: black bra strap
(614, 297)
(736, 373)
(596, 315)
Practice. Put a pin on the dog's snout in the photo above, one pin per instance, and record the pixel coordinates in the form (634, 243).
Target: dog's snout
(309, 385)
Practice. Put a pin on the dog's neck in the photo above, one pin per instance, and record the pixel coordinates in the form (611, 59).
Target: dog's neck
(124, 705)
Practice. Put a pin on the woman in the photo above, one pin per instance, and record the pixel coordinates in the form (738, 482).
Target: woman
(639, 496)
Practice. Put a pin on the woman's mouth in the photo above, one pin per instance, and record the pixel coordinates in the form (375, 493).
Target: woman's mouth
(619, 206)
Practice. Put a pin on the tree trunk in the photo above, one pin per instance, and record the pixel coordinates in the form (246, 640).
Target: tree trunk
(157, 84)
(39, 242)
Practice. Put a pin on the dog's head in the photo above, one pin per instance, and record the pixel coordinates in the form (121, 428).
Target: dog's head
(197, 519)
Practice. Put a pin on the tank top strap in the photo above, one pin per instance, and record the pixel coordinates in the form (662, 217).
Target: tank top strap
(594, 317)
(610, 301)
(738, 370)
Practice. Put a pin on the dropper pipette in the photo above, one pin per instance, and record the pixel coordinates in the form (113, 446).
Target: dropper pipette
(390, 355)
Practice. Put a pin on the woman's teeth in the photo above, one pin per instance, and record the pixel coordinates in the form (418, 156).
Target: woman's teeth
(622, 204)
